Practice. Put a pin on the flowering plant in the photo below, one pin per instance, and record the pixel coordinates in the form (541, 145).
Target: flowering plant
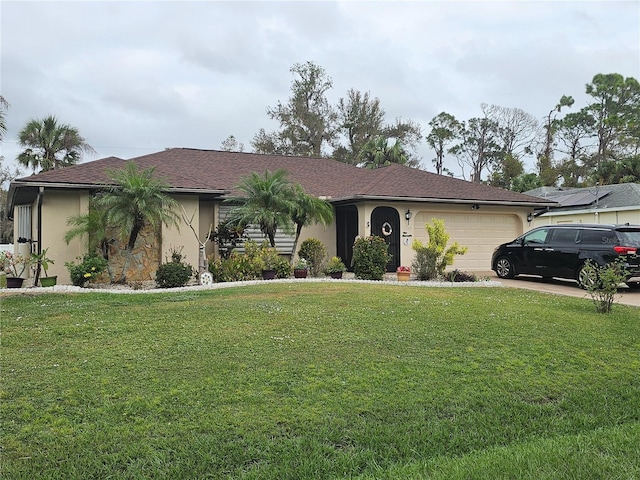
(301, 264)
(403, 268)
(91, 267)
(14, 265)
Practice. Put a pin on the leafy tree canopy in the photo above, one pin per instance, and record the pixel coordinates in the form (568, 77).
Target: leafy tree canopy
(310, 126)
(50, 145)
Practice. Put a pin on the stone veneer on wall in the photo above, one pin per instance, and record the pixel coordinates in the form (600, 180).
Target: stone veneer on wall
(144, 260)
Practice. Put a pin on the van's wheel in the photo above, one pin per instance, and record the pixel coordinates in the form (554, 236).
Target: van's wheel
(633, 285)
(504, 268)
(587, 277)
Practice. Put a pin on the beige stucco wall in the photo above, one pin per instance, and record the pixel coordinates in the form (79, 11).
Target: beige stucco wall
(183, 238)
(424, 210)
(57, 207)
(414, 229)
(325, 233)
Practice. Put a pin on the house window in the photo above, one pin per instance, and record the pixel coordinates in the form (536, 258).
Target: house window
(22, 217)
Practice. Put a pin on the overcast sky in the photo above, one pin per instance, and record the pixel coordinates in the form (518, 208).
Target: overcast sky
(138, 77)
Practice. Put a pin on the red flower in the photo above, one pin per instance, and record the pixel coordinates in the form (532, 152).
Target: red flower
(402, 268)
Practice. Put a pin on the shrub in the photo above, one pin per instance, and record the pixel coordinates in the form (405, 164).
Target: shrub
(370, 258)
(424, 264)
(432, 259)
(174, 273)
(252, 252)
(283, 268)
(269, 256)
(235, 268)
(91, 266)
(606, 281)
(248, 266)
(228, 236)
(313, 251)
(334, 265)
(460, 276)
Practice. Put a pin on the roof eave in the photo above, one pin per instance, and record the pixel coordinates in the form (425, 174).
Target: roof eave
(442, 200)
(203, 191)
(18, 184)
(93, 186)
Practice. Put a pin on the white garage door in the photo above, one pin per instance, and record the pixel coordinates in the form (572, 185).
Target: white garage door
(480, 233)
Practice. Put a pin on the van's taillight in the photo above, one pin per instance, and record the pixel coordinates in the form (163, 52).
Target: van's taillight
(625, 250)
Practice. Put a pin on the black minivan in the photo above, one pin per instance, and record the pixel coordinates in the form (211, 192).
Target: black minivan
(561, 251)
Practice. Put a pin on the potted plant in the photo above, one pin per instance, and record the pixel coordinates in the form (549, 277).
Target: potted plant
(42, 260)
(404, 273)
(14, 267)
(269, 258)
(334, 267)
(313, 251)
(301, 269)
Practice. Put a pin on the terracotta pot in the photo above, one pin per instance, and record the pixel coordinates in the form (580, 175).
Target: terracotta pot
(48, 281)
(403, 276)
(14, 282)
(300, 272)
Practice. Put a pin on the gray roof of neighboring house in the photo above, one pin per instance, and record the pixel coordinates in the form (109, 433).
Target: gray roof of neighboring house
(605, 196)
(214, 172)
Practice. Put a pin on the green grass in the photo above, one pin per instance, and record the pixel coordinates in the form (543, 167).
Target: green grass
(319, 380)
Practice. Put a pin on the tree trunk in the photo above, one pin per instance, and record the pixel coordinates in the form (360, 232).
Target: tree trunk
(104, 248)
(202, 261)
(272, 240)
(125, 267)
(295, 242)
(129, 249)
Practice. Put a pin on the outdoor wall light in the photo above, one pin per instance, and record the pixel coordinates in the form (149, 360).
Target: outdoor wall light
(475, 206)
(530, 217)
(407, 215)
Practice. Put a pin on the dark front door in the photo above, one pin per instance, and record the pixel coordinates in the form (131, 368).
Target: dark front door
(385, 223)
(346, 233)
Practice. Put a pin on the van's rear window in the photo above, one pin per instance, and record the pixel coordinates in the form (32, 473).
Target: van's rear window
(629, 237)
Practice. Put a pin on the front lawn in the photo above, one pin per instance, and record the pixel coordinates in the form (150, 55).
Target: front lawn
(319, 380)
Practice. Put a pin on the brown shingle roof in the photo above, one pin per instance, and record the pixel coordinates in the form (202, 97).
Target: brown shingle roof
(210, 170)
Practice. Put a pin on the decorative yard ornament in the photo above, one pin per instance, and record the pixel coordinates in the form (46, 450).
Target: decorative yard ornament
(206, 278)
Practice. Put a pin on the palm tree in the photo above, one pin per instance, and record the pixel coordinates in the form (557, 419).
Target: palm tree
(49, 145)
(267, 202)
(93, 226)
(3, 125)
(308, 209)
(377, 153)
(137, 200)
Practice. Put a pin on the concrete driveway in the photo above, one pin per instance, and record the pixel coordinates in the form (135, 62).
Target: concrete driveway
(564, 287)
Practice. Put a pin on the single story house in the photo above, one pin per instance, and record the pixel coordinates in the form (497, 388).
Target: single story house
(394, 202)
(618, 203)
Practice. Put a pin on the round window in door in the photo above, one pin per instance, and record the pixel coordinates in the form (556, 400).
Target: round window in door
(385, 223)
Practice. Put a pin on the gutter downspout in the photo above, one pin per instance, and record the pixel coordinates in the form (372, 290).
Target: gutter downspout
(39, 240)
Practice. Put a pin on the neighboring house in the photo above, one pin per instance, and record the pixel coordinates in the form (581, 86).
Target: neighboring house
(394, 202)
(618, 203)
